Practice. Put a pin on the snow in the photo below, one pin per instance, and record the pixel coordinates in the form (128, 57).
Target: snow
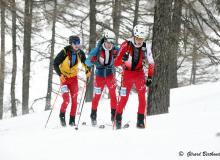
(192, 125)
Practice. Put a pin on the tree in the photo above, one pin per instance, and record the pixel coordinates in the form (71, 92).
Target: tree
(116, 16)
(92, 44)
(175, 30)
(136, 13)
(50, 76)
(194, 59)
(2, 62)
(159, 92)
(26, 55)
(14, 59)
(200, 34)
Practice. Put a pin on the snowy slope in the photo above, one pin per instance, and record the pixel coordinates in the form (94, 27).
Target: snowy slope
(191, 126)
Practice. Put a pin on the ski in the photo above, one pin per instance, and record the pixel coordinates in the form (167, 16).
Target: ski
(100, 126)
(126, 125)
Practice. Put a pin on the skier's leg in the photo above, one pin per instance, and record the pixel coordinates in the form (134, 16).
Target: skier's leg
(73, 92)
(141, 89)
(99, 85)
(124, 94)
(65, 95)
(110, 81)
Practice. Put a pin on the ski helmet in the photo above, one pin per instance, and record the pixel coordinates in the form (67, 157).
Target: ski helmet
(109, 36)
(74, 40)
(139, 31)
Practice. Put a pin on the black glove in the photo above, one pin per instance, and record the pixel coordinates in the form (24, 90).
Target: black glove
(148, 81)
(125, 57)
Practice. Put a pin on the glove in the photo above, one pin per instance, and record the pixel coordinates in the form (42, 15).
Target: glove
(125, 57)
(148, 81)
(114, 53)
(88, 74)
(62, 79)
(93, 59)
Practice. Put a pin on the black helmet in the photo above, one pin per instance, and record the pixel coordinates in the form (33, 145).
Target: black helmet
(74, 40)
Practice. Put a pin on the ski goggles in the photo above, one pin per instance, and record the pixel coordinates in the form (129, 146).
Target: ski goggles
(76, 41)
(110, 40)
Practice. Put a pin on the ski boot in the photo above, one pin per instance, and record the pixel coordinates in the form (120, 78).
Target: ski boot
(62, 119)
(140, 121)
(72, 121)
(118, 121)
(113, 115)
(93, 117)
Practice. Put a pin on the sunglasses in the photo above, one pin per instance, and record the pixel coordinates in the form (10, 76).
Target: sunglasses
(76, 42)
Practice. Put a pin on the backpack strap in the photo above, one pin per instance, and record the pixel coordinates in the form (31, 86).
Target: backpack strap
(144, 50)
(64, 50)
(67, 53)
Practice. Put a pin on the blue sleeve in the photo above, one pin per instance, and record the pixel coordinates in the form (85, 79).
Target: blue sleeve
(117, 49)
(92, 53)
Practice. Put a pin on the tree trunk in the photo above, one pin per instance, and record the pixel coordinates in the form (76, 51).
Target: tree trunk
(159, 92)
(27, 55)
(116, 15)
(14, 60)
(2, 60)
(92, 44)
(174, 42)
(50, 76)
(135, 22)
(194, 59)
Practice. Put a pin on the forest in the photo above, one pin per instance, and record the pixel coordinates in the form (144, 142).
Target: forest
(185, 38)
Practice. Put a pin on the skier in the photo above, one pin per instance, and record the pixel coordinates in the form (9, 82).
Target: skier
(103, 58)
(66, 66)
(133, 53)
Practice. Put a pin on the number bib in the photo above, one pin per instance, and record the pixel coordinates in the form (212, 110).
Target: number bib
(64, 89)
(123, 91)
(97, 90)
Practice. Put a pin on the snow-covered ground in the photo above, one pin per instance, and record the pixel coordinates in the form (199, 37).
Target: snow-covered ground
(192, 126)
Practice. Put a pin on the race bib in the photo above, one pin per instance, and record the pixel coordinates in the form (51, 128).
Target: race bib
(64, 89)
(98, 90)
(123, 91)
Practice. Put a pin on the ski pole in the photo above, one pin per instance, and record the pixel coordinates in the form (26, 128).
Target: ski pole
(87, 82)
(77, 126)
(145, 115)
(52, 107)
(84, 88)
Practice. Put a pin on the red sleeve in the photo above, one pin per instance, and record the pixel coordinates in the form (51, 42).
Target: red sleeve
(122, 51)
(150, 70)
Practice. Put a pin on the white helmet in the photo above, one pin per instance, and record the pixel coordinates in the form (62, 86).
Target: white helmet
(109, 36)
(139, 31)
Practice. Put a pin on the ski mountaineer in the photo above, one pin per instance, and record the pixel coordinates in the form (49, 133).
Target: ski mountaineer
(103, 58)
(66, 66)
(133, 53)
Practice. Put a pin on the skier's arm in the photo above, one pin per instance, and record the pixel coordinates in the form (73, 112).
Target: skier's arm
(58, 60)
(150, 60)
(123, 49)
(83, 60)
(115, 51)
(92, 55)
